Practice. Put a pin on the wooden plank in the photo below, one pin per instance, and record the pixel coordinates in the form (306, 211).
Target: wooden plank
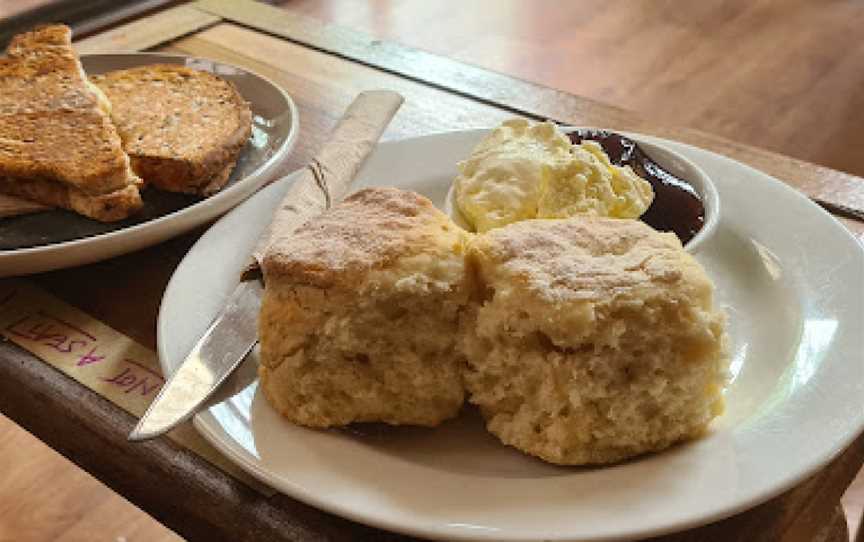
(84, 17)
(520, 97)
(836, 531)
(148, 31)
(79, 507)
(524, 98)
(714, 66)
(197, 500)
(201, 497)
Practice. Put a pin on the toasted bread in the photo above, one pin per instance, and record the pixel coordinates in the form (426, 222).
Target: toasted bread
(14, 206)
(108, 207)
(182, 128)
(57, 143)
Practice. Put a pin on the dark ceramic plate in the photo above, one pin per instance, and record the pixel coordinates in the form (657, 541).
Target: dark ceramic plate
(55, 239)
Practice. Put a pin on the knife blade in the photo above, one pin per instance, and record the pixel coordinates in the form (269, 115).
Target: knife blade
(228, 340)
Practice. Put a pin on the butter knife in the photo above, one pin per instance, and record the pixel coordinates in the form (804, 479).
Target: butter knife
(234, 332)
(215, 356)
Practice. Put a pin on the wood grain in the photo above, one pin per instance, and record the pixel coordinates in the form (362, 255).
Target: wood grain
(45, 498)
(210, 505)
(147, 31)
(834, 531)
(175, 486)
(763, 73)
(527, 99)
(9, 8)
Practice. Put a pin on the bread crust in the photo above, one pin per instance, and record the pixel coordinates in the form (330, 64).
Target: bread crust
(51, 124)
(183, 128)
(109, 207)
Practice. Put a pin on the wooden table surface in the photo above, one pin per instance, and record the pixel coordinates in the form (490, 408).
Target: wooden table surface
(323, 67)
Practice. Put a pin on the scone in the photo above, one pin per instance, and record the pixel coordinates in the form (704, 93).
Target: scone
(596, 339)
(360, 313)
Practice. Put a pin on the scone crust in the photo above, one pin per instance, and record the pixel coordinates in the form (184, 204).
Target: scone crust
(587, 258)
(366, 231)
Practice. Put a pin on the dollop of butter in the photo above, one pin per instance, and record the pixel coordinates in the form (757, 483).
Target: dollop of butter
(524, 170)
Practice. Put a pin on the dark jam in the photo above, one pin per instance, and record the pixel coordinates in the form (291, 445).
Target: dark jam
(676, 206)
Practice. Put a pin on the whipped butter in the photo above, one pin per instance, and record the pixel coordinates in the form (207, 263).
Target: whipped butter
(524, 170)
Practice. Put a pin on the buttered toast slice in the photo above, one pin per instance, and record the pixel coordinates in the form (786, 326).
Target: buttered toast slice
(182, 128)
(57, 143)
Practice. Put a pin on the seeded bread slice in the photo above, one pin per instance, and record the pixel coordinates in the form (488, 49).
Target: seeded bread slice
(182, 128)
(57, 143)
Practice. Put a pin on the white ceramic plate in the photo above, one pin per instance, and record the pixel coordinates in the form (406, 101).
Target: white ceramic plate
(787, 273)
(57, 239)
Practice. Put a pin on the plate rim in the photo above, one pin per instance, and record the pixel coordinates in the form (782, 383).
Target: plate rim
(187, 217)
(239, 456)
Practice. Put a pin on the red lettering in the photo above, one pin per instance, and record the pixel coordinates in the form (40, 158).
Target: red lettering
(12, 328)
(127, 379)
(56, 342)
(73, 345)
(42, 332)
(115, 380)
(144, 388)
(89, 357)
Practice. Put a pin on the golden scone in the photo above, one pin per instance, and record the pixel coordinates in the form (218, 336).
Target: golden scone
(360, 313)
(596, 340)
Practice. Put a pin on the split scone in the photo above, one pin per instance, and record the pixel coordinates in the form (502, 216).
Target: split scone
(360, 314)
(597, 339)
